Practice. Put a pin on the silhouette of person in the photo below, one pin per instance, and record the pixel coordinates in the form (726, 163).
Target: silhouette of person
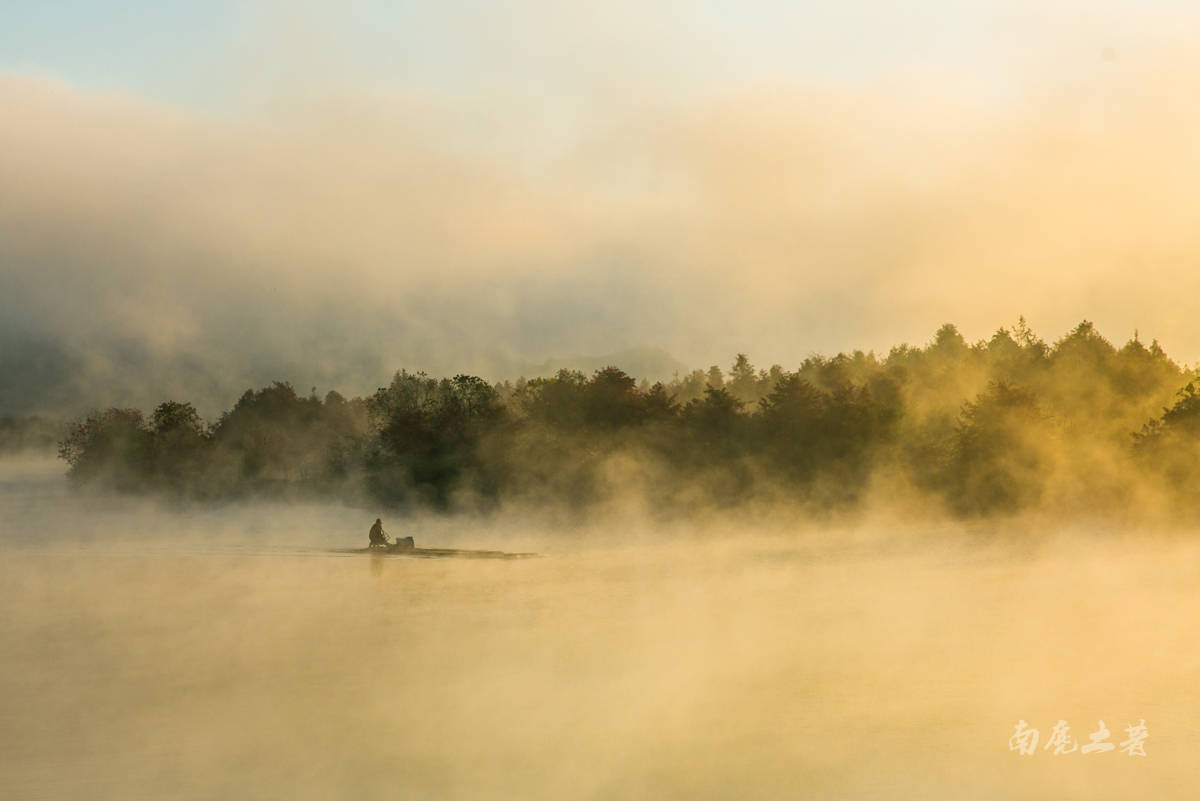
(377, 536)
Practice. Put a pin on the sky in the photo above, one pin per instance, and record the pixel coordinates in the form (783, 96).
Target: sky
(203, 52)
(200, 197)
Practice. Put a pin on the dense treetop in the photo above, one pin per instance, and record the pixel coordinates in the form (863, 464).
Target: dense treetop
(999, 426)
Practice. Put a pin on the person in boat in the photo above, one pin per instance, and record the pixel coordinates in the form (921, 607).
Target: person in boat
(378, 538)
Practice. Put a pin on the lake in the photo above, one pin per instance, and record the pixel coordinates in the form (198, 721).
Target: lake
(150, 653)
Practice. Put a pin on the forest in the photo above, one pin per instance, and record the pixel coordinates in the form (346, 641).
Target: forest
(1007, 425)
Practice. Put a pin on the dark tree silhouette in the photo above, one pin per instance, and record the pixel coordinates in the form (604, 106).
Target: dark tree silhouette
(1007, 424)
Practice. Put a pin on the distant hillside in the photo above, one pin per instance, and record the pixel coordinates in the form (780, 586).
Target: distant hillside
(49, 377)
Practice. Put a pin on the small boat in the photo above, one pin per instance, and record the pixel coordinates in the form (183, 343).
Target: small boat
(404, 546)
(444, 553)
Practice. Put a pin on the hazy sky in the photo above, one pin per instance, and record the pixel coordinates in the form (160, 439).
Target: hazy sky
(207, 52)
(199, 196)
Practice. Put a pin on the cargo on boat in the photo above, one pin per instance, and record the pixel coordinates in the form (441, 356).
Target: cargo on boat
(401, 544)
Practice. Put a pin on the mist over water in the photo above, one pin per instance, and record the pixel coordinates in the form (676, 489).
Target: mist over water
(842, 577)
(234, 653)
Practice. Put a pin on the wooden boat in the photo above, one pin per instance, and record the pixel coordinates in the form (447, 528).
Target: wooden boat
(404, 546)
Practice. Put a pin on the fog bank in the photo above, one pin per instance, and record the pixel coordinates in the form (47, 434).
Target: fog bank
(160, 251)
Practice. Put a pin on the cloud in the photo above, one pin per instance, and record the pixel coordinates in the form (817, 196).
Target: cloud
(168, 251)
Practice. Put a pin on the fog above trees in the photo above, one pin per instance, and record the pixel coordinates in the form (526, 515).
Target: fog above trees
(1003, 426)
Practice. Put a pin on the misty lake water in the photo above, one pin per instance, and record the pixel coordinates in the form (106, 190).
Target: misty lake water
(233, 654)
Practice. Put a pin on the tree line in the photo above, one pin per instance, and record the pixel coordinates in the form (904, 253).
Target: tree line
(1000, 426)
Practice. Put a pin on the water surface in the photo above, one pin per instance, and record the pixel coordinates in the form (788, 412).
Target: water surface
(149, 654)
